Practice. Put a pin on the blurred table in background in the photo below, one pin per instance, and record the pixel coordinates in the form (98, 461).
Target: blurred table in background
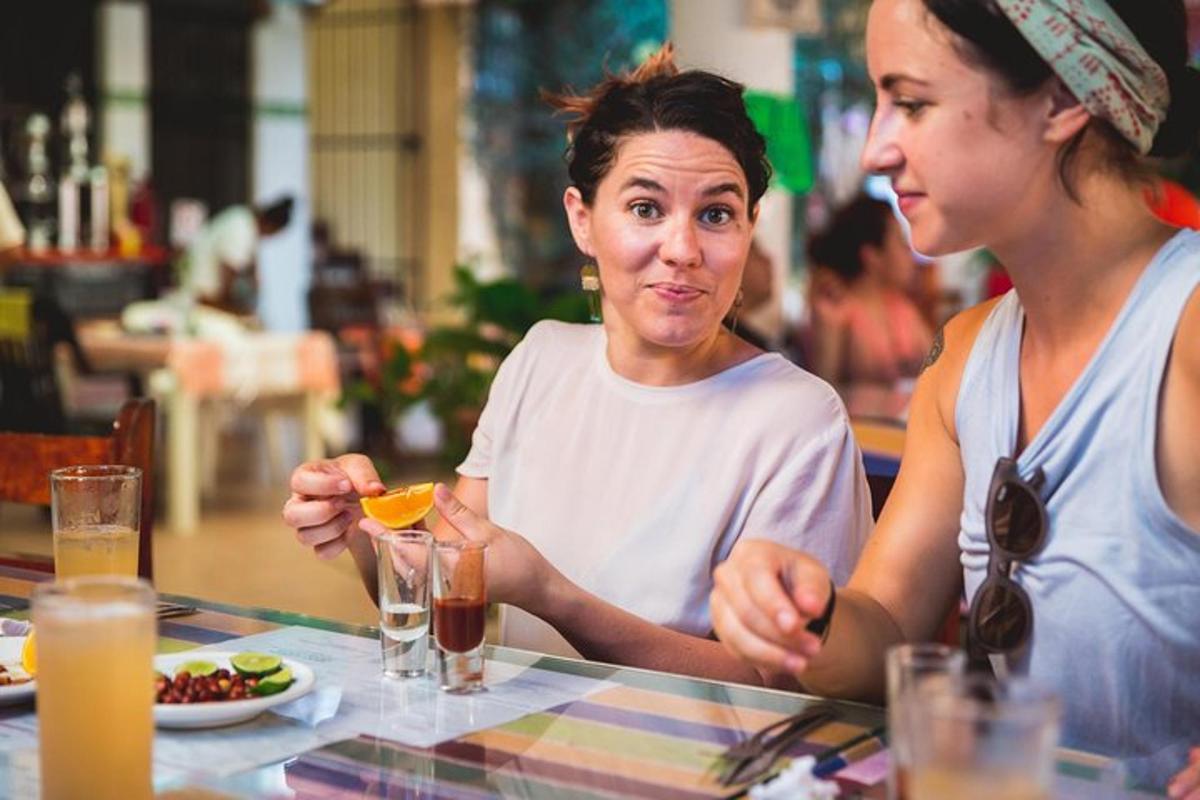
(296, 370)
(86, 284)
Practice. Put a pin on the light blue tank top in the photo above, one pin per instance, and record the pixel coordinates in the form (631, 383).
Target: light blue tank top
(1116, 590)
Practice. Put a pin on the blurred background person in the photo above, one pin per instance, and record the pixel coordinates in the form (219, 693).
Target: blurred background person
(219, 268)
(758, 284)
(868, 338)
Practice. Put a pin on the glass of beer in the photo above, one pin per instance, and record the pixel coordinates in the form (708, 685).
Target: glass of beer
(983, 738)
(95, 512)
(95, 650)
(459, 605)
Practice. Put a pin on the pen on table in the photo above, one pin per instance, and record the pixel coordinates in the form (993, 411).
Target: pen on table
(846, 754)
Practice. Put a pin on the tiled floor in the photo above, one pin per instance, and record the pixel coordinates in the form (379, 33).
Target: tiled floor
(241, 553)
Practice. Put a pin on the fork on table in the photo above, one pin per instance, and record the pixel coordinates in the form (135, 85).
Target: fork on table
(753, 757)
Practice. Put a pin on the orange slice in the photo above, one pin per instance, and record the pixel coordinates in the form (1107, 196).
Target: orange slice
(29, 654)
(401, 507)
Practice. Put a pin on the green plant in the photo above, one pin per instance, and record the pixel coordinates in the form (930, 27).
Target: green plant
(453, 365)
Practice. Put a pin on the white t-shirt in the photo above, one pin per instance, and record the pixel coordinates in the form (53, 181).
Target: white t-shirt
(229, 238)
(636, 493)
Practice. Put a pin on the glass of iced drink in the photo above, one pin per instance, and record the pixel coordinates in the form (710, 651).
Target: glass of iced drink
(459, 605)
(983, 738)
(95, 512)
(404, 570)
(96, 637)
(911, 668)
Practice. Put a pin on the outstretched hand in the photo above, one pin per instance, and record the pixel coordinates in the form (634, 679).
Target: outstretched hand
(763, 597)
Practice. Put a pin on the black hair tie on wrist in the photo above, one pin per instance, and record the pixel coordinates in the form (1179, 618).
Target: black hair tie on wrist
(820, 625)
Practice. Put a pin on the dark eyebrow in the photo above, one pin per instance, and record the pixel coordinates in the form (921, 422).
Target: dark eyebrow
(888, 82)
(722, 188)
(654, 186)
(643, 183)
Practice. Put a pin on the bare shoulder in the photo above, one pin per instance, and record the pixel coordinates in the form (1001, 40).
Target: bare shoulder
(1187, 344)
(943, 368)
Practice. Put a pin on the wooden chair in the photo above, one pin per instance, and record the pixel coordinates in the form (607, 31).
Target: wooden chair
(26, 460)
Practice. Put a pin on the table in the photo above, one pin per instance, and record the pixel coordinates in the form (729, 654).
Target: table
(642, 735)
(88, 284)
(186, 373)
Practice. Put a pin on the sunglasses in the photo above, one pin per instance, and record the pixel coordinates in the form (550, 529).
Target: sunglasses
(1001, 617)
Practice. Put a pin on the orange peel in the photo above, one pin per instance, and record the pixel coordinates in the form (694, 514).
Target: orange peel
(29, 654)
(400, 508)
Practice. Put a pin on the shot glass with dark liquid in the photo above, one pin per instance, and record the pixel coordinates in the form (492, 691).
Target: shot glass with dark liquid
(459, 603)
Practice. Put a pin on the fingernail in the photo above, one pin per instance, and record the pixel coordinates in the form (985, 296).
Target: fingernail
(441, 492)
(786, 620)
(812, 603)
(344, 486)
(795, 664)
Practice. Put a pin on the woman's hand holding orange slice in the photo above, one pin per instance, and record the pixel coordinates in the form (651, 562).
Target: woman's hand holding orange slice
(400, 508)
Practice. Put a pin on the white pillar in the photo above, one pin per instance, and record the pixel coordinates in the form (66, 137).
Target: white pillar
(123, 53)
(712, 35)
(280, 141)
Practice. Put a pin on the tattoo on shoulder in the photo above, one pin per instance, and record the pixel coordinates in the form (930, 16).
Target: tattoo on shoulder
(935, 352)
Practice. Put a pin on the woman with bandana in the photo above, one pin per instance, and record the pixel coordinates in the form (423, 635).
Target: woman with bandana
(1050, 460)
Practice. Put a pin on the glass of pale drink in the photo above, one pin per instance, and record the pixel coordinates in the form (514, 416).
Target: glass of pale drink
(912, 668)
(404, 559)
(987, 739)
(96, 514)
(95, 651)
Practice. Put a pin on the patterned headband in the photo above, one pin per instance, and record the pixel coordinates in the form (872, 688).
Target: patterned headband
(1100, 60)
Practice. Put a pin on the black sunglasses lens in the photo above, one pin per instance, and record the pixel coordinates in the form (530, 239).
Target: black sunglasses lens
(1016, 519)
(1002, 622)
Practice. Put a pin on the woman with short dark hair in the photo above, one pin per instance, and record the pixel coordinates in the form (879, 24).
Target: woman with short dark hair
(632, 455)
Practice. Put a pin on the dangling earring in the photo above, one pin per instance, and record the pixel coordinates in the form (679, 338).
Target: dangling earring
(737, 306)
(589, 281)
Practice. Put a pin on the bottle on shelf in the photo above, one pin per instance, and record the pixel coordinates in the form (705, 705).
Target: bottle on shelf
(36, 198)
(74, 189)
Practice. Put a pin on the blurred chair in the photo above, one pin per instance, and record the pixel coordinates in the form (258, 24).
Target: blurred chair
(26, 460)
(30, 327)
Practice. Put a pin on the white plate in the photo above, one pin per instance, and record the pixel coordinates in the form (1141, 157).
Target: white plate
(227, 712)
(10, 657)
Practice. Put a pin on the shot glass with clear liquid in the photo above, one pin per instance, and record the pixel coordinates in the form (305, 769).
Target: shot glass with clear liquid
(404, 564)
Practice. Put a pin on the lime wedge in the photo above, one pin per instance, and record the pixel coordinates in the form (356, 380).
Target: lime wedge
(197, 669)
(255, 665)
(274, 683)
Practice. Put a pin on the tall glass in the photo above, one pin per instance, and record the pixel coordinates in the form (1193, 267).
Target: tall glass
(95, 512)
(460, 601)
(913, 668)
(95, 651)
(404, 570)
(985, 739)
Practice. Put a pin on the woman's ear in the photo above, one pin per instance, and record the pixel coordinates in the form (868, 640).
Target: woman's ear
(579, 217)
(1065, 115)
